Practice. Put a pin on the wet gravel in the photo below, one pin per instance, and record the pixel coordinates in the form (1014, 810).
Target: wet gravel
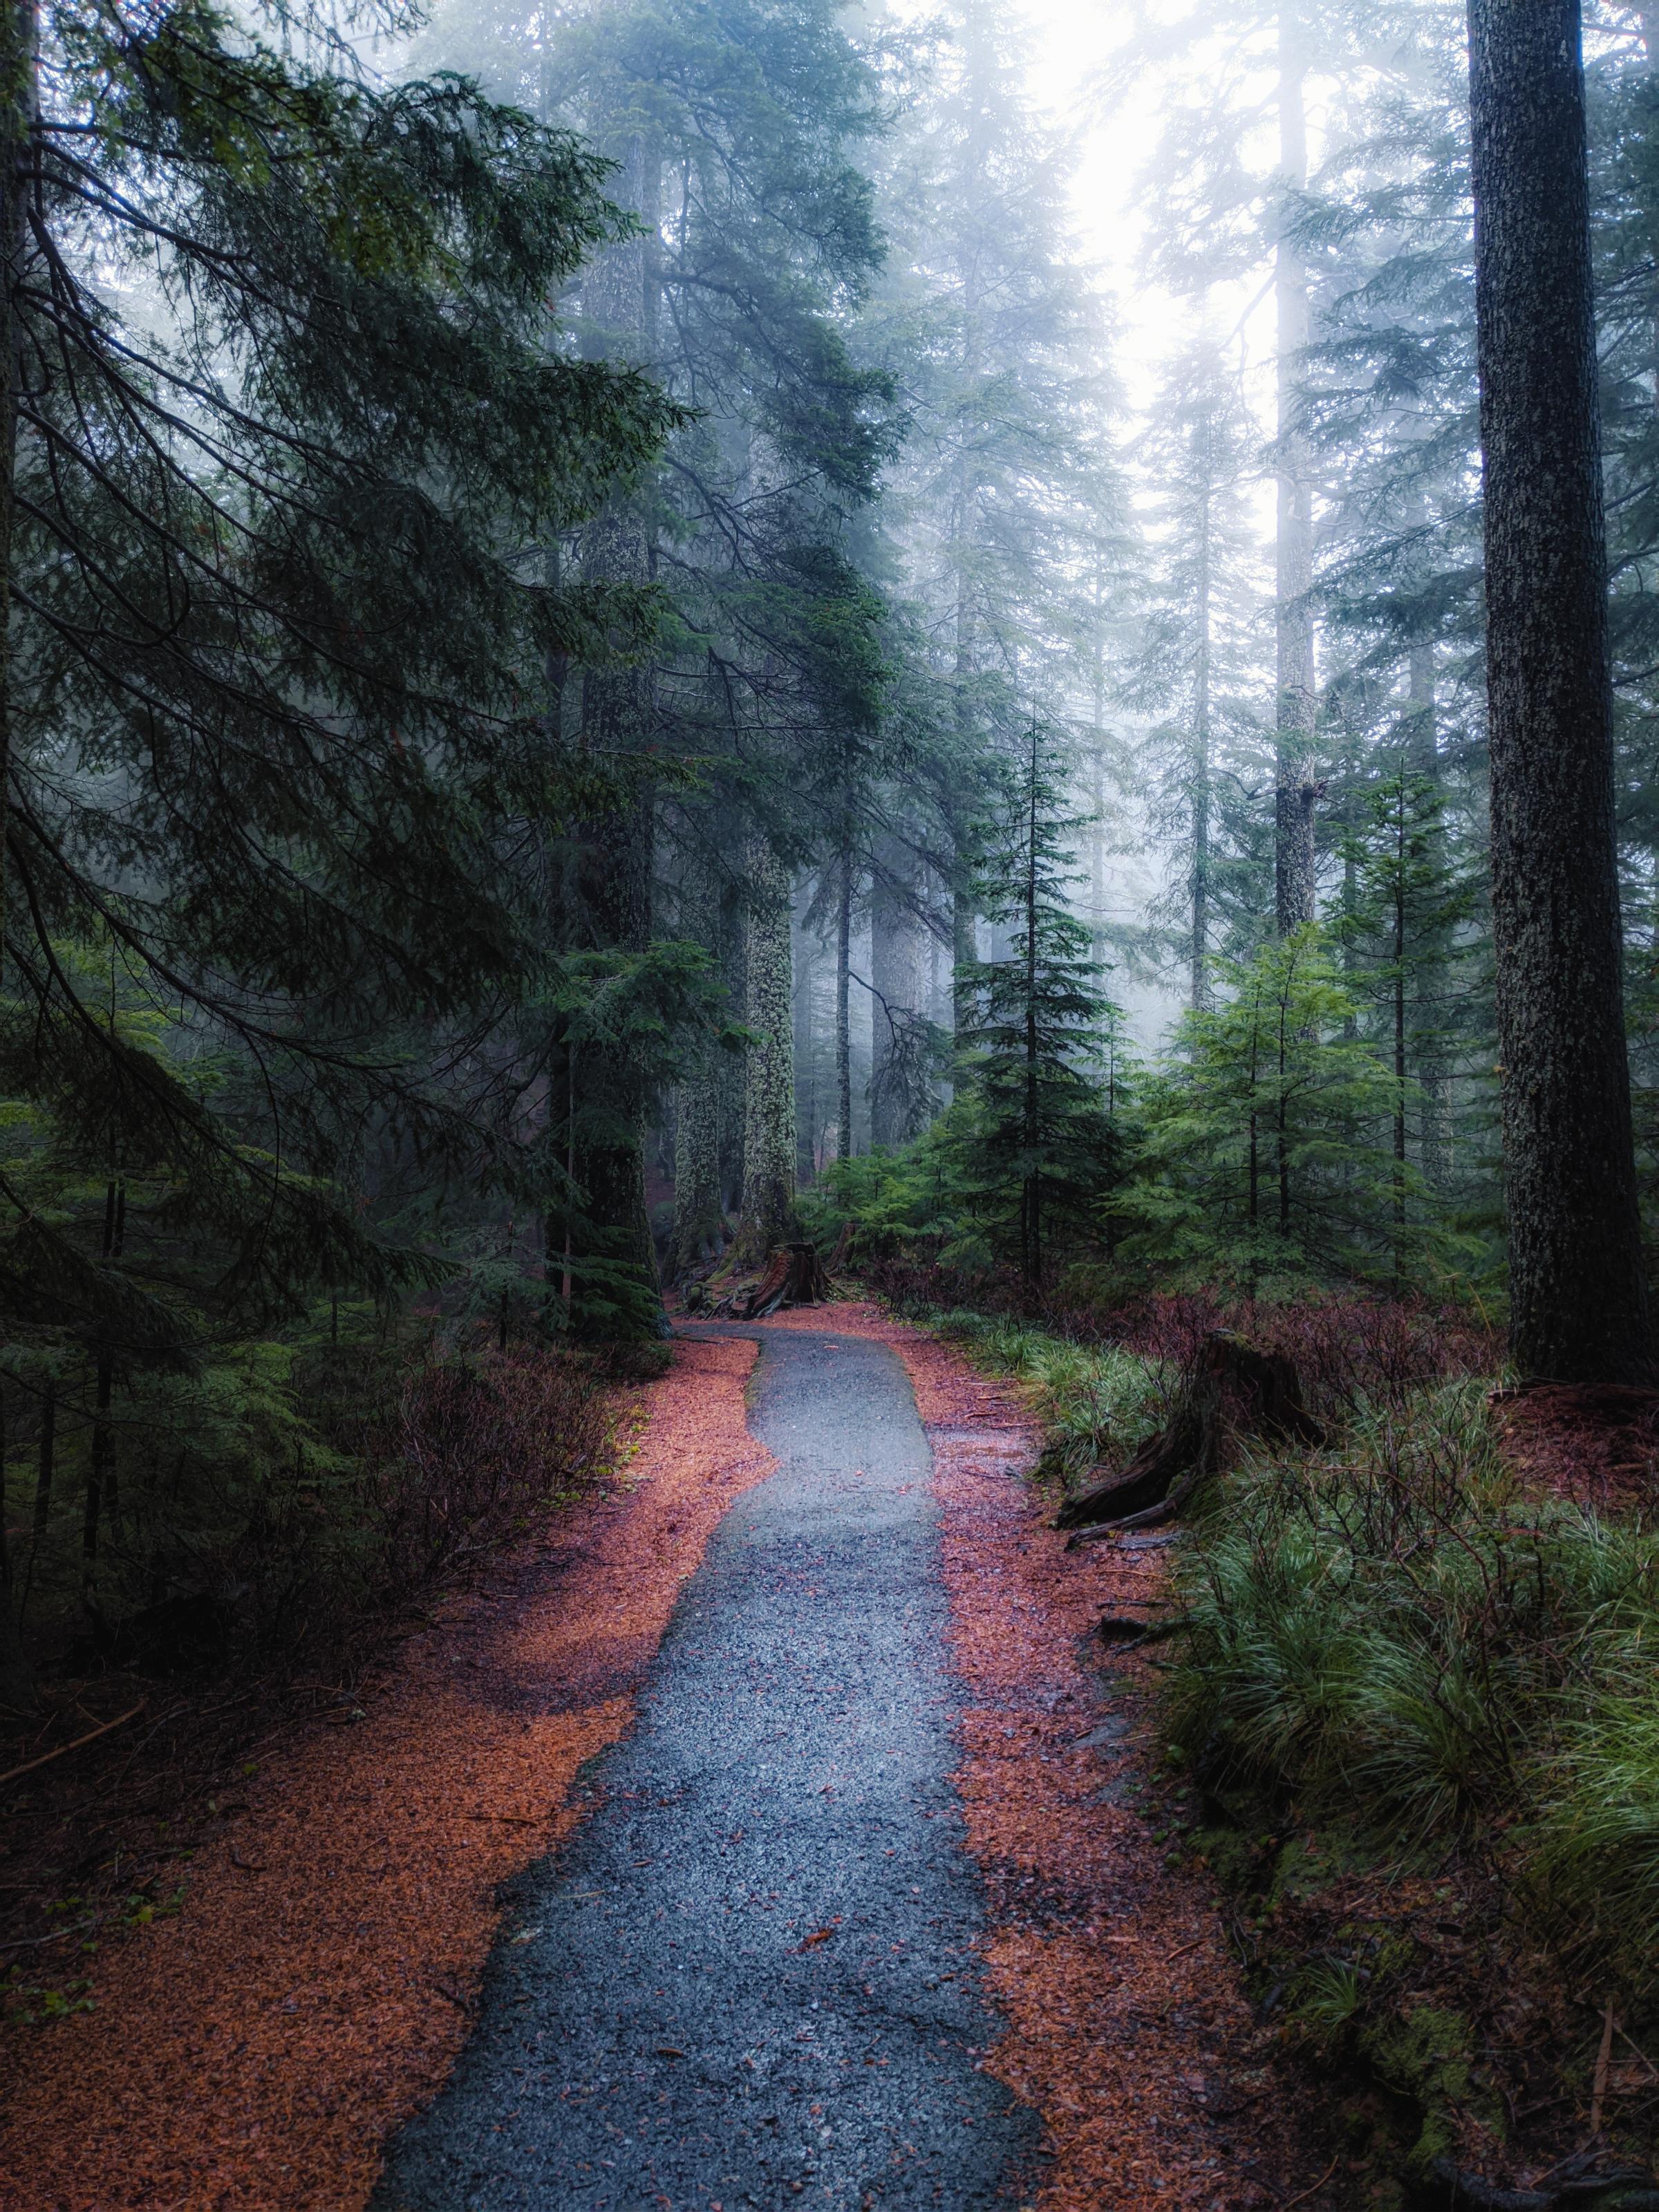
(749, 1979)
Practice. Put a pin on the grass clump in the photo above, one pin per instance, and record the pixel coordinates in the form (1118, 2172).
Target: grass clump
(1394, 1640)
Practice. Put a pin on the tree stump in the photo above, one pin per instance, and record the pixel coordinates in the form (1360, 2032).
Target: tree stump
(1233, 1390)
(794, 1276)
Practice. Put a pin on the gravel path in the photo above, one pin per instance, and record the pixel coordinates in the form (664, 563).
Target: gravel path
(748, 1980)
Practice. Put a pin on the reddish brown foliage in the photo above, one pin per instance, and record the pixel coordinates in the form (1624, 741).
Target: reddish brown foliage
(255, 2052)
(472, 1446)
(1596, 1443)
(1345, 1350)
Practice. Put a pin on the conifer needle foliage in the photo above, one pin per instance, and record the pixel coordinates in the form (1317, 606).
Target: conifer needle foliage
(290, 419)
(290, 424)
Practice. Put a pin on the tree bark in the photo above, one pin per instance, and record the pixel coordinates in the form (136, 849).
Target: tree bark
(1578, 1285)
(19, 97)
(767, 1216)
(16, 1677)
(1097, 771)
(699, 1230)
(730, 1076)
(1295, 792)
(615, 860)
(808, 1118)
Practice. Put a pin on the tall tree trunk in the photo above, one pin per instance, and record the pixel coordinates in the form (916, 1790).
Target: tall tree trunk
(964, 951)
(1097, 770)
(843, 1009)
(898, 976)
(1199, 987)
(45, 1464)
(699, 1230)
(769, 1217)
(16, 1680)
(1422, 759)
(18, 103)
(18, 89)
(964, 533)
(730, 1078)
(615, 851)
(1400, 1031)
(1294, 790)
(1577, 1286)
(808, 1121)
(1032, 1132)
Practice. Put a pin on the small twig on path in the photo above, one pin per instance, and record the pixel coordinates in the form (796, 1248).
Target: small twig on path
(514, 1820)
(53, 1935)
(1302, 2197)
(29, 1765)
(1600, 2090)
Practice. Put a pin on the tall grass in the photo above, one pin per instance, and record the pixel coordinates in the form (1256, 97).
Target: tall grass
(1391, 1637)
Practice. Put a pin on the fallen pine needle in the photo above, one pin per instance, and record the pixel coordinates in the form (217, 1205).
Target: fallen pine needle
(29, 1765)
(1302, 2197)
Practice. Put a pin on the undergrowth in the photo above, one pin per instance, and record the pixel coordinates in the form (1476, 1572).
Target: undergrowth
(1392, 1638)
(250, 1580)
(1411, 1724)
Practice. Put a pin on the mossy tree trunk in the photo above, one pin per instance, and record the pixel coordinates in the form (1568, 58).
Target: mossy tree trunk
(19, 39)
(847, 865)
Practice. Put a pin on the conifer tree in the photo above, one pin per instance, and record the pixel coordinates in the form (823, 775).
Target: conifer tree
(1005, 494)
(1035, 1143)
(1260, 1162)
(1403, 904)
(275, 688)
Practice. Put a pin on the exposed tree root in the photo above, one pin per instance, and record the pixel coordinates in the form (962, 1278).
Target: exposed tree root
(1233, 1390)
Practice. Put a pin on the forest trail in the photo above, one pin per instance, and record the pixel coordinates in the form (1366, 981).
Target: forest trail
(829, 1875)
(751, 1975)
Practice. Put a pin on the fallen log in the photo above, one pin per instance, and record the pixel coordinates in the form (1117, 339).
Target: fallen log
(1232, 1390)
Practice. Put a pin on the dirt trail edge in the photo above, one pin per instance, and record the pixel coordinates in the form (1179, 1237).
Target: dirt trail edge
(252, 2053)
(1127, 2029)
(751, 1978)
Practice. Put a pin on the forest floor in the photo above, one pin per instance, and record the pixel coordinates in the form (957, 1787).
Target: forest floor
(996, 1913)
